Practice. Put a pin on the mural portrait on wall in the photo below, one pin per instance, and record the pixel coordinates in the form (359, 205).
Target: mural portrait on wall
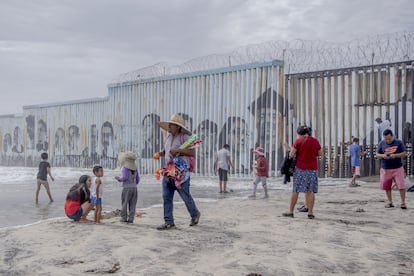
(73, 140)
(42, 144)
(407, 135)
(30, 126)
(60, 142)
(17, 140)
(7, 143)
(207, 131)
(236, 133)
(107, 140)
(188, 121)
(151, 133)
(94, 143)
(268, 112)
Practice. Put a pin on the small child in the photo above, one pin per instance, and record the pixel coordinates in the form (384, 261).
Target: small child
(356, 154)
(261, 171)
(97, 192)
(130, 179)
(44, 171)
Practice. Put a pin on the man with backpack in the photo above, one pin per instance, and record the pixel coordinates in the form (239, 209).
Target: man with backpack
(178, 134)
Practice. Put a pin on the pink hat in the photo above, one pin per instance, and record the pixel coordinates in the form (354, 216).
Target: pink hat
(259, 151)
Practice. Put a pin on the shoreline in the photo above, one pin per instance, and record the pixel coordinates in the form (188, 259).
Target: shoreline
(352, 234)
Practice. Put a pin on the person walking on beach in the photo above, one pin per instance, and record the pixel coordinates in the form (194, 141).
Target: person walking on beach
(130, 179)
(356, 154)
(261, 171)
(97, 192)
(306, 149)
(222, 165)
(44, 171)
(78, 200)
(391, 150)
(177, 134)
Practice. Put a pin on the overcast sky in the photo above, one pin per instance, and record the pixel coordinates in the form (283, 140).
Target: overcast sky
(61, 50)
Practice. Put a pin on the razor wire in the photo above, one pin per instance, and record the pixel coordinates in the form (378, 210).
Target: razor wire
(298, 55)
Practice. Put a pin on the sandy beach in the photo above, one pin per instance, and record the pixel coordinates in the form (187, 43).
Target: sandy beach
(353, 234)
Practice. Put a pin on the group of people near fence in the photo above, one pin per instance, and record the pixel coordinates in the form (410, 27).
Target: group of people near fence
(301, 163)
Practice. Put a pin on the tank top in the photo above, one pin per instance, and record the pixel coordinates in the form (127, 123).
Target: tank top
(93, 188)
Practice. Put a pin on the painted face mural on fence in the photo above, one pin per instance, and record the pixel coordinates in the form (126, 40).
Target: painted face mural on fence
(207, 131)
(60, 142)
(73, 142)
(107, 134)
(30, 125)
(7, 143)
(268, 112)
(42, 143)
(94, 143)
(188, 121)
(236, 133)
(17, 140)
(151, 135)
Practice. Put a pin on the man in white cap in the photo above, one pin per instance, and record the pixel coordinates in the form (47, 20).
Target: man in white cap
(178, 133)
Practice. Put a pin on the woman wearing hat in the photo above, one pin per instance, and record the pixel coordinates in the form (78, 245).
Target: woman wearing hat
(306, 149)
(130, 180)
(178, 133)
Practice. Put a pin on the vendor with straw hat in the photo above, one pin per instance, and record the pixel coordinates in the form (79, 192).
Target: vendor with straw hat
(177, 134)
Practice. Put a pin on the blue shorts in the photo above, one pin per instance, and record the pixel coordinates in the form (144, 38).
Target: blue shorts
(305, 181)
(94, 202)
(77, 216)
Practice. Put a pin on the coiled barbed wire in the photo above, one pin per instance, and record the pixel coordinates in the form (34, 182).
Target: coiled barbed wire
(298, 56)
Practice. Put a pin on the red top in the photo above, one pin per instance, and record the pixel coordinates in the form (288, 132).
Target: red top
(71, 207)
(307, 153)
(262, 169)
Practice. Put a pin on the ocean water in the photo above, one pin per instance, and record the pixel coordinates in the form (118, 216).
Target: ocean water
(18, 187)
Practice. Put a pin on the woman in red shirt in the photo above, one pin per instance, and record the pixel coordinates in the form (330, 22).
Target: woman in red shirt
(306, 149)
(78, 201)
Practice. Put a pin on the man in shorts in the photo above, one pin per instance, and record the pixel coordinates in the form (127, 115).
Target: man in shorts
(222, 165)
(391, 151)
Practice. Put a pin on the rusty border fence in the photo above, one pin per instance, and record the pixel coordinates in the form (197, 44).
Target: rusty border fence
(344, 103)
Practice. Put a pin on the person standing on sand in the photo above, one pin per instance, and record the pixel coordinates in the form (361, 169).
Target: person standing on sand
(262, 172)
(78, 200)
(306, 149)
(97, 192)
(391, 151)
(44, 171)
(177, 134)
(130, 179)
(222, 165)
(356, 154)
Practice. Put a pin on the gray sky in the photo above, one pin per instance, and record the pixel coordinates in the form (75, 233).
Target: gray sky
(61, 50)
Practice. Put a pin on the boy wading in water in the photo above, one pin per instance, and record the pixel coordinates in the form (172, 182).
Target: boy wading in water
(44, 171)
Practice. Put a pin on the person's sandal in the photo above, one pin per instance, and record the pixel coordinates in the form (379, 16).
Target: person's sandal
(403, 206)
(389, 205)
(289, 215)
(302, 209)
(311, 216)
(166, 226)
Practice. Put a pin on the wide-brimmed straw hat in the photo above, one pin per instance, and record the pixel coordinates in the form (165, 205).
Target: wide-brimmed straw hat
(259, 151)
(176, 120)
(127, 160)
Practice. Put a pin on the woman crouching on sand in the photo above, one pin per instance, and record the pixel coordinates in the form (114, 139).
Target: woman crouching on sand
(78, 200)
